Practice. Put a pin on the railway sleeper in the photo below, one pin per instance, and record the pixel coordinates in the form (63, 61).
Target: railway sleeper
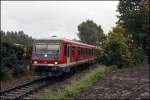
(25, 90)
(15, 93)
(9, 94)
(6, 97)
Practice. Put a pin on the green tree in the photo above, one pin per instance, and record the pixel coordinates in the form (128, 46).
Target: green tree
(90, 32)
(12, 54)
(111, 50)
(135, 17)
(16, 37)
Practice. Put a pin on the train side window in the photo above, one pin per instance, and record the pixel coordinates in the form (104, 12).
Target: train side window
(72, 51)
(86, 51)
(90, 51)
(65, 50)
(93, 51)
(68, 50)
(83, 51)
(79, 51)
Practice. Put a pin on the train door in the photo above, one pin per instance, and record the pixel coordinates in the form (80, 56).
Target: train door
(68, 54)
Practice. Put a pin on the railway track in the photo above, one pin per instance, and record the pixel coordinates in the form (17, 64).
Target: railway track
(22, 90)
(27, 89)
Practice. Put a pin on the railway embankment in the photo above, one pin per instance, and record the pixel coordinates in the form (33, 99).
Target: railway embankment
(129, 83)
(67, 88)
(93, 83)
(9, 83)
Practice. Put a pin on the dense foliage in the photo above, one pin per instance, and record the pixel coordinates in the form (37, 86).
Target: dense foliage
(134, 17)
(90, 32)
(128, 42)
(14, 37)
(116, 49)
(15, 50)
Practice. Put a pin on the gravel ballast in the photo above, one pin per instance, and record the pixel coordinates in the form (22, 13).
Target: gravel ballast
(128, 83)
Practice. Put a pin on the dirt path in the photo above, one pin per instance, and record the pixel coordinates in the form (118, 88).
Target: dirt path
(129, 83)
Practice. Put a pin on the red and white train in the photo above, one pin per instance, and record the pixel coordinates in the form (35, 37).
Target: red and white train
(54, 55)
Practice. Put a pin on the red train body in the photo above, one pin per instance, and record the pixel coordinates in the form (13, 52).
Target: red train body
(53, 55)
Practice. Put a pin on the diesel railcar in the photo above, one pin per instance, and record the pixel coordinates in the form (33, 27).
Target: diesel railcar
(55, 56)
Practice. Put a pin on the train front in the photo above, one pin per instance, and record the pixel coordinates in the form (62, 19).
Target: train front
(46, 57)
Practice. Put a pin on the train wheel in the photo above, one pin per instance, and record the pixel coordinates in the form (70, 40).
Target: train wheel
(67, 70)
(56, 73)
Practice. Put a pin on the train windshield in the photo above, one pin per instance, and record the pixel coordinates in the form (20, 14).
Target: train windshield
(47, 50)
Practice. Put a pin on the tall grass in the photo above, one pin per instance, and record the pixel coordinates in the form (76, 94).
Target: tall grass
(76, 86)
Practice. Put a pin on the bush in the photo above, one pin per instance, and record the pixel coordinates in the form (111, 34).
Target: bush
(17, 71)
(138, 55)
(2, 74)
(15, 47)
(100, 74)
(69, 93)
(117, 49)
(11, 56)
(112, 50)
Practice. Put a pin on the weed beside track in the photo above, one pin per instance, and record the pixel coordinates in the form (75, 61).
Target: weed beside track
(68, 87)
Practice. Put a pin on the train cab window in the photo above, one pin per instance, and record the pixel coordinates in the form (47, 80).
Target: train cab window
(65, 50)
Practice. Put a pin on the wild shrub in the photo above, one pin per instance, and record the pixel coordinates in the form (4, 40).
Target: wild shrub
(2, 74)
(11, 56)
(117, 49)
(69, 93)
(112, 50)
(17, 71)
(100, 74)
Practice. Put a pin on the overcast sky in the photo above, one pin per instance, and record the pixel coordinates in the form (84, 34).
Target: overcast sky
(60, 18)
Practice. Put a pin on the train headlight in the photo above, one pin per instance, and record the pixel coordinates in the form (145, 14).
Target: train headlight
(35, 62)
(56, 62)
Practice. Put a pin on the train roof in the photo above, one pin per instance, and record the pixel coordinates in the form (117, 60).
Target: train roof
(77, 42)
(66, 40)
